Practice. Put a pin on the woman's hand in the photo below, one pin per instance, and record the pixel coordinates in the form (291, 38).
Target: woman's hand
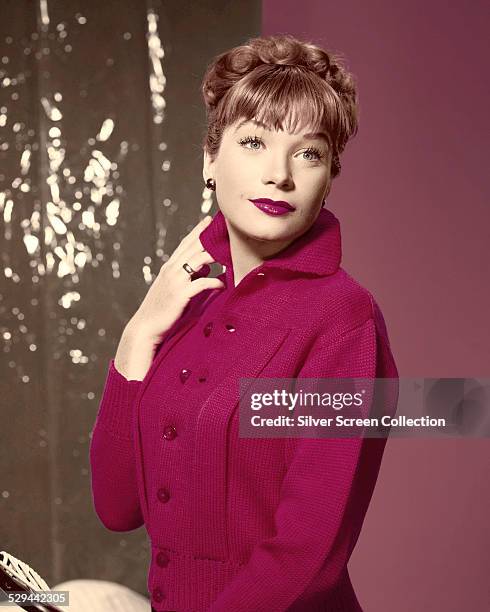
(173, 288)
(164, 303)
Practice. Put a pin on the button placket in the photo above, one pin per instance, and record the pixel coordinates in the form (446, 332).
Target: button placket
(169, 432)
(163, 495)
(228, 324)
(184, 374)
(162, 559)
(158, 594)
(202, 375)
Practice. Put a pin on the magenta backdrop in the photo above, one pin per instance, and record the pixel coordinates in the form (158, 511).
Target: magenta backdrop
(414, 211)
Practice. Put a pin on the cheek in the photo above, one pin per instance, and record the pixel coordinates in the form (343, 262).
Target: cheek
(227, 176)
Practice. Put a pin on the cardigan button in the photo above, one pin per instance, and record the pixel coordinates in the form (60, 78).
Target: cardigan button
(184, 374)
(203, 375)
(230, 327)
(163, 495)
(207, 328)
(158, 595)
(169, 432)
(162, 559)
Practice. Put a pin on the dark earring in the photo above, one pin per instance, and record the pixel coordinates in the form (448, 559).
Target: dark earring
(211, 184)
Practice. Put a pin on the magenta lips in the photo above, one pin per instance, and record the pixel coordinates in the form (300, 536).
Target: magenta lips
(272, 207)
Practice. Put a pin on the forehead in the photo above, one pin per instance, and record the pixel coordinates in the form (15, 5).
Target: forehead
(256, 123)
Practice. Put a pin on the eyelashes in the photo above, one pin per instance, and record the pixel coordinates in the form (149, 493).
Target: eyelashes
(310, 150)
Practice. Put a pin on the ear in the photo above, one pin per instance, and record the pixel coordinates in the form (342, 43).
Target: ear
(327, 191)
(207, 166)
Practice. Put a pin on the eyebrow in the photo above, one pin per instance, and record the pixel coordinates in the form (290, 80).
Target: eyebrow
(321, 135)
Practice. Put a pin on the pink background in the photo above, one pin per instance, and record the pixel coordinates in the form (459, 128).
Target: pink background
(413, 207)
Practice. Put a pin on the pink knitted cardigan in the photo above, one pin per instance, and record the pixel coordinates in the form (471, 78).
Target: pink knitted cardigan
(242, 524)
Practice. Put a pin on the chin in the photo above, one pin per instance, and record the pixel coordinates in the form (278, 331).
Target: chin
(270, 228)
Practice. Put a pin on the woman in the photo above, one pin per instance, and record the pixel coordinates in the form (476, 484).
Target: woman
(244, 524)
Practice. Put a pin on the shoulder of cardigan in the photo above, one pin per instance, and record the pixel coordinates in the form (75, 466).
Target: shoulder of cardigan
(317, 251)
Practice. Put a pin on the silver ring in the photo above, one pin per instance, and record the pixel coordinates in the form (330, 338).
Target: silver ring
(188, 269)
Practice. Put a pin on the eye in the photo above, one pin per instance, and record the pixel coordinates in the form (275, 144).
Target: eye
(248, 139)
(313, 151)
(259, 141)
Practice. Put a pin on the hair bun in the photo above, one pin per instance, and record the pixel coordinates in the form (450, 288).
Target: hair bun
(281, 50)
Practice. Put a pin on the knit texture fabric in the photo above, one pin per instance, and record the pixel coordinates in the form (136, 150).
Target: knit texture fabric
(241, 524)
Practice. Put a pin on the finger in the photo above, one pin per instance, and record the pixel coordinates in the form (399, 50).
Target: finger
(191, 237)
(196, 253)
(201, 284)
(198, 262)
(202, 272)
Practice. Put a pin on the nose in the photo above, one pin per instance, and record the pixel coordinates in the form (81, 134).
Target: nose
(277, 171)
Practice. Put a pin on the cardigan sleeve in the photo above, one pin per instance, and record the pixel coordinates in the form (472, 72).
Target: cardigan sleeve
(114, 486)
(112, 460)
(324, 497)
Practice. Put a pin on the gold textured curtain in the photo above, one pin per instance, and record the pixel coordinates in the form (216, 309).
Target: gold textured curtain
(101, 123)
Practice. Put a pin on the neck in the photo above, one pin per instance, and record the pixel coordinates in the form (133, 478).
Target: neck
(248, 253)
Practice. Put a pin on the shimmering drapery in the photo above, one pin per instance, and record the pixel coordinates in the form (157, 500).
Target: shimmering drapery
(101, 123)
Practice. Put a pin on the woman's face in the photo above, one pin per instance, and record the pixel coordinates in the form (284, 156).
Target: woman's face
(254, 162)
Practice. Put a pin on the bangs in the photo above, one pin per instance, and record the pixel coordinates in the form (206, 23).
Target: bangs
(287, 98)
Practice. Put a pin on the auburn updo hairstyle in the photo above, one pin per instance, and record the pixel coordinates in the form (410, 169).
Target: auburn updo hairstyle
(284, 83)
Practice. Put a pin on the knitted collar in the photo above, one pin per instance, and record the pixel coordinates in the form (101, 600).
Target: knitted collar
(317, 251)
